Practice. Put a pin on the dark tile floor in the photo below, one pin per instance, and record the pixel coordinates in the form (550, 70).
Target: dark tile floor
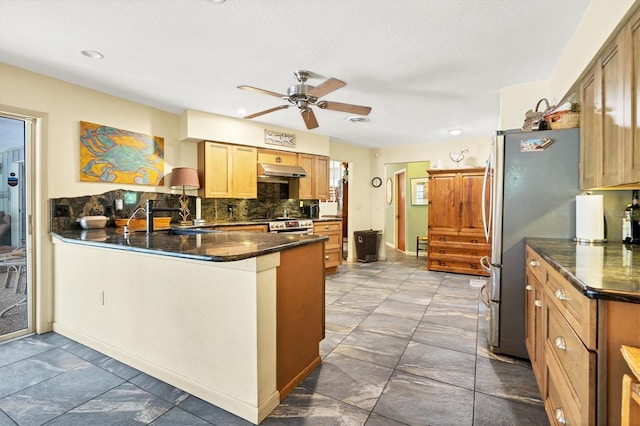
(403, 346)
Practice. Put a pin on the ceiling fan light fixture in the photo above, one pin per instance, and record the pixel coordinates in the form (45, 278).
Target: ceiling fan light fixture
(359, 120)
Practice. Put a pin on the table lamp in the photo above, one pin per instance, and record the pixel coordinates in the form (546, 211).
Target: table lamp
(185, 178)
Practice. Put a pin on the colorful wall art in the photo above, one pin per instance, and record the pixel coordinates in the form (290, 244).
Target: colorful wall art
(113, 155)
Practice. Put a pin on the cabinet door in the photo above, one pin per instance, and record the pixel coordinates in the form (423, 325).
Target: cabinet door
(444, 202)
(613, 108)
(245, 180)
(272, 156)
(471, 203)
(305, 184)
(590, 130)
(534, 326)
(214, 170)
(632, 84)
(321, 175)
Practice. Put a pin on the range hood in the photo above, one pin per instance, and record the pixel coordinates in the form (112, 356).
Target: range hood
(280, 170)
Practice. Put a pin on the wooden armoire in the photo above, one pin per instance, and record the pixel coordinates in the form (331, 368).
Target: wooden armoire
(456, 233)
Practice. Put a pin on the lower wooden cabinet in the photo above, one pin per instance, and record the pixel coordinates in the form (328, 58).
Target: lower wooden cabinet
(456, 252)
(245, 228)
(332, 247)
(574, 345)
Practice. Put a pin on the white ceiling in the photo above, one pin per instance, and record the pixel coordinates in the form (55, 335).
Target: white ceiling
(424, 66)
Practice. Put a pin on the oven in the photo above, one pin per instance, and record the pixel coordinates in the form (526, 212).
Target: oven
(294, 226)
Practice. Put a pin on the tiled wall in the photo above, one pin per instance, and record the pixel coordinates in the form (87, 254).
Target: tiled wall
(268, 206)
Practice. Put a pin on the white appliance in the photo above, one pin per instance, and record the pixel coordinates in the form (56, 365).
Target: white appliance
(291, 226)
(535, 182)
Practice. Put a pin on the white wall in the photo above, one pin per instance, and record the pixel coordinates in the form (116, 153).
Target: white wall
(362, 196)
(55, 161)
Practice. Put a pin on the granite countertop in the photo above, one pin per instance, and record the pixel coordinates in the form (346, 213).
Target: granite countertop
(214, 246)
(600, 271)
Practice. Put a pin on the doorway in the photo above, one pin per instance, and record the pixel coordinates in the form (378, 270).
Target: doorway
(400, 210)
(16, 295)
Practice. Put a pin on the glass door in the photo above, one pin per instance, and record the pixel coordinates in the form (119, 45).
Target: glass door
(15, 292)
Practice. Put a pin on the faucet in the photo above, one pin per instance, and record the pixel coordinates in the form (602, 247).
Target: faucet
(150, 209)
(126, 227)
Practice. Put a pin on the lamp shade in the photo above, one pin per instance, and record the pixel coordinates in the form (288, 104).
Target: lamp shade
(184, 178)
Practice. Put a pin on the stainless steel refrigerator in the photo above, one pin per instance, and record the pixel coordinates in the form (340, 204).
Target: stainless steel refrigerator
(535, 182)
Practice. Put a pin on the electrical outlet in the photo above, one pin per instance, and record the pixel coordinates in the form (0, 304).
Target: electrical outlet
(61, 210)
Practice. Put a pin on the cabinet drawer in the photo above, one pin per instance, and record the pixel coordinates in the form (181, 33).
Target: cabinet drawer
(459, 265)
(558, 402)
(319, 228)
(467, 250)
(536, 264)
(332, 258)
(574, 360)
(335, 240)
(435, 237)
(578, 310)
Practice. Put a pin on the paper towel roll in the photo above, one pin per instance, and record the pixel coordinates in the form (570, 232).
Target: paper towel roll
(589, 218)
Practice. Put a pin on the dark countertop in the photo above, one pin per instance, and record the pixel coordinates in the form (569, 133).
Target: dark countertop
(600, 271)
(214, 247)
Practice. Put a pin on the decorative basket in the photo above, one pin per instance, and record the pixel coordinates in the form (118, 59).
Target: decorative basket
(564, 120)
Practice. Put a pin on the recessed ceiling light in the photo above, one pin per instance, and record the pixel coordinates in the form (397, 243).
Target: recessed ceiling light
(242, 111)
(355, 119)
(93, 54)
(455, 132)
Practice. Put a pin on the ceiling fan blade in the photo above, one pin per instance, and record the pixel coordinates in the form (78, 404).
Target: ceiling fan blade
(309, 118)
(338, 106)
(267, 111)
(266, 92)
(326, 87)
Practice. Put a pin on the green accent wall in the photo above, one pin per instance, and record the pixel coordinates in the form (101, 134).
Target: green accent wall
(416, 215)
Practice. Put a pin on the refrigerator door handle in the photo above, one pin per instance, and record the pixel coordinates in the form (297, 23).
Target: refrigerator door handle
(484, 262)
(486, 218)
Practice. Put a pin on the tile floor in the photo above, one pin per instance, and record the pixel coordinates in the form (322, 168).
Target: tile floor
(403, 346)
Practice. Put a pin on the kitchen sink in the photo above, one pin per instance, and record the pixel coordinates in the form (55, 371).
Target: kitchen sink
(191, 231)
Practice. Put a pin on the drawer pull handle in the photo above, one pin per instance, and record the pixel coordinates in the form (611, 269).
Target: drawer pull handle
(474, 241)
(560, 416)
(326, 227)
(560, 294)
(528, 287)
(442, 252)
(560, 343)
(326, 257)
(537, 303)
(442, 239)
(533, 262)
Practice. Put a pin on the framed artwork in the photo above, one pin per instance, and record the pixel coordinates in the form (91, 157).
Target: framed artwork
(419, 191)
(114, 155)
(279, 138)
(389, 190)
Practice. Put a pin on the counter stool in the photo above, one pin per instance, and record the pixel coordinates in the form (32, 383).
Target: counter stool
(630, 405)
(422, 243)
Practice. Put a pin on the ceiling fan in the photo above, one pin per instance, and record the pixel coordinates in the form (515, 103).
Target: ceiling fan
(304, 96)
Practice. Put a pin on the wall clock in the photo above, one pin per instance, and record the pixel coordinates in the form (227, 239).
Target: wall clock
(376, 182)
(389, 190)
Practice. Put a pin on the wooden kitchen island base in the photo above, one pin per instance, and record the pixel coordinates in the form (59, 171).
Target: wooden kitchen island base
(237, 334)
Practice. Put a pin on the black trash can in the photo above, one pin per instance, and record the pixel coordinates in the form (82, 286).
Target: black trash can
(367, 245)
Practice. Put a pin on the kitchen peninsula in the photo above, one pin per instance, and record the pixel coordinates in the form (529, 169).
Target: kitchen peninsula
(234, 318)
(582, 305)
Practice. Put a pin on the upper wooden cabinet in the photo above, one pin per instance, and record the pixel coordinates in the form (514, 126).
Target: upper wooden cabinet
(315, 186)
(610, 95)
(272, 156)
(227, 171)
(632, 137)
